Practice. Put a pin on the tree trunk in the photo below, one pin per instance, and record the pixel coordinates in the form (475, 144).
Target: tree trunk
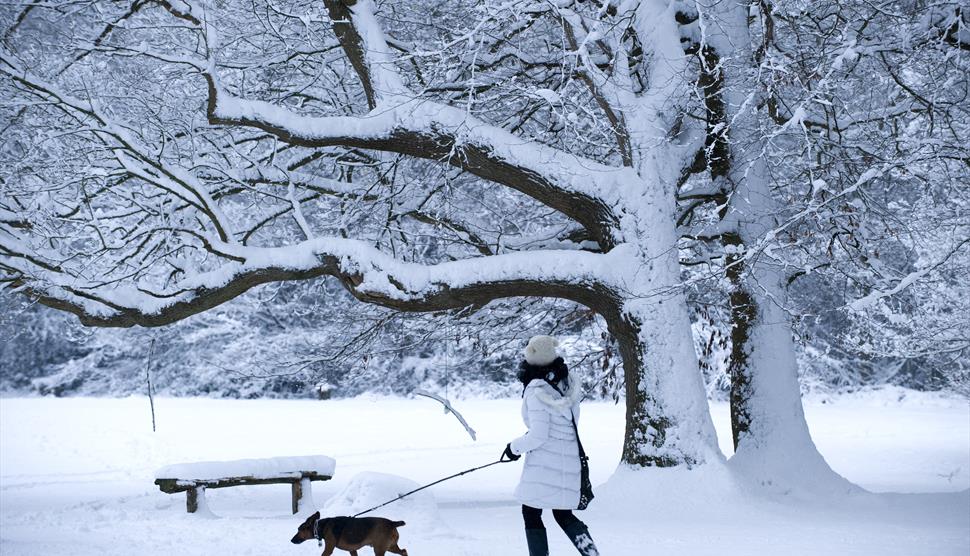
(668, 422)
(773, 445)
(743, 314)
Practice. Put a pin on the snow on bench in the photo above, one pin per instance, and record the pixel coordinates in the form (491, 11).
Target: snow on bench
(194, 478)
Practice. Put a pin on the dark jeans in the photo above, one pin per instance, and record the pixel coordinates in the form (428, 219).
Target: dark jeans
(533, 517)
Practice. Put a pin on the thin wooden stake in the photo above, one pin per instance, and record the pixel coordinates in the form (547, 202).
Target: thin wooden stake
(148, 378)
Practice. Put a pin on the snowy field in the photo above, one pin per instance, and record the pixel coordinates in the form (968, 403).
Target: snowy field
(76, 478)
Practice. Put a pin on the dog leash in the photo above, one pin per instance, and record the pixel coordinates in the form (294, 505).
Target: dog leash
(406, 494)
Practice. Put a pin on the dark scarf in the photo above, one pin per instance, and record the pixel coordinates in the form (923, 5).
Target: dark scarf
(554, 372)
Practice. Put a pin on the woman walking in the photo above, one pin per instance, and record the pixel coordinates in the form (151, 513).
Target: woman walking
(555, 475)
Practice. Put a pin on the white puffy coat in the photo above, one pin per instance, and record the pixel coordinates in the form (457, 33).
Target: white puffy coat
(551, 474)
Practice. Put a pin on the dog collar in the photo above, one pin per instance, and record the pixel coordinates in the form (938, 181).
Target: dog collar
(316, 533)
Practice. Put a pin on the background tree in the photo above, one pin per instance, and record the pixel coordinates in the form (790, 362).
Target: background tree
(780, 87)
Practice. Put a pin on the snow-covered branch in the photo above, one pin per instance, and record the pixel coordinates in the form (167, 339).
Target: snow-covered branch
(369, 274)
(446, 403)
(399, 122)
(907, 280)
(134, 157)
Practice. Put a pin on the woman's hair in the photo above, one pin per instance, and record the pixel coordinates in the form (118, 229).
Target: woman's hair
(554, 372)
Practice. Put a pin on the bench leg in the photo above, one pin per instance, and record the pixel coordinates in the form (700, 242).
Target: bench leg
(192, 500)
(195, 499)
(302, 492)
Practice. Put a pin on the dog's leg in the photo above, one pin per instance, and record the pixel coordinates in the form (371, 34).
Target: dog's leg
(393, 548)
(353, 552)
(328, 549)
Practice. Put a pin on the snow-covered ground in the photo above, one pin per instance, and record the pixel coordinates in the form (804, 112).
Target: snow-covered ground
(76, 478)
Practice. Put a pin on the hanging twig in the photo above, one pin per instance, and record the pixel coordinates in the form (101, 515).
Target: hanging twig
(148, 378)
(448, 409)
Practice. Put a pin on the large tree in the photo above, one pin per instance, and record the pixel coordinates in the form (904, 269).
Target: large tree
(163, 157)
(153, 232)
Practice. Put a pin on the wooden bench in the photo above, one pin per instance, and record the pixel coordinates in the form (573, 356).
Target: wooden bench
(195, 478)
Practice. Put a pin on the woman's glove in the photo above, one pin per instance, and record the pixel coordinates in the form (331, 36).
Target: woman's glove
(508, 453)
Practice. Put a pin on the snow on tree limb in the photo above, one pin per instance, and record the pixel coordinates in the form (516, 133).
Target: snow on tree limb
(398, 123)
(428, 130)
(368, 273)
(906, 281)
(402, 123)
(362, 39)
(131, 154)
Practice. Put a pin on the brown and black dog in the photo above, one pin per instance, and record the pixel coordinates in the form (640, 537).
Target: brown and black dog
(351, 533)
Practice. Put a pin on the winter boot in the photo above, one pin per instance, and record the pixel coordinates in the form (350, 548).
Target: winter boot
(579, 535)
(538, 543)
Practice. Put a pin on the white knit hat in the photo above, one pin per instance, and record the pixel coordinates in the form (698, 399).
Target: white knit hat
(541, 350)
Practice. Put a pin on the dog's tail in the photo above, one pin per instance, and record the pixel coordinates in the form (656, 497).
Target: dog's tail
(397, 523)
